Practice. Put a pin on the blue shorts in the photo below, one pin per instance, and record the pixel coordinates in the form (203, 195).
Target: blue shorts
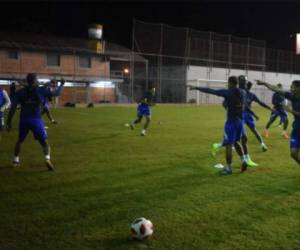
(249, 120)
(281, 113)
(295, 139)
(143, 110)
(1, 120)
(233, 131)
(35, 125)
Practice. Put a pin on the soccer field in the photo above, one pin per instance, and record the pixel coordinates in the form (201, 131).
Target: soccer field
(107, 175)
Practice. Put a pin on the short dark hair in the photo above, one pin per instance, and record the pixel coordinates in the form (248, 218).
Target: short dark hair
(242, 81)
(233, 80)
(31, 78)
(279, 85)
(296, 83)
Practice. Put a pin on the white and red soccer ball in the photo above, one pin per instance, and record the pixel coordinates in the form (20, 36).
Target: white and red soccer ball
(141, 229)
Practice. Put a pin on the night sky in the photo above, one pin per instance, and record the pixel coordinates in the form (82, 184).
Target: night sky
(273, 22)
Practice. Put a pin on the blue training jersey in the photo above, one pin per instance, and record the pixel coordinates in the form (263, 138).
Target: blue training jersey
(296, 106)
(31, 101)
(235, 100)
(278, 101)
(2, 99)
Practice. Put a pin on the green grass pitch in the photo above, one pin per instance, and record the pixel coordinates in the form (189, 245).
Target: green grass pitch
(107, 175)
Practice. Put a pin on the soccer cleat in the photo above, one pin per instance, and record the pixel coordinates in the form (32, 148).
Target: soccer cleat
(251, 163)
(226, 171)
(285, 135)
(54, 122)
(266, 134)
(131, 126)
(49, 165)
(16, 163)
(244, 167)
(264, 147)
(214, 149)
(143, 133)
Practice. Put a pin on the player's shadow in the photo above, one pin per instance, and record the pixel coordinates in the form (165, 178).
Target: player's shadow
(6, 168)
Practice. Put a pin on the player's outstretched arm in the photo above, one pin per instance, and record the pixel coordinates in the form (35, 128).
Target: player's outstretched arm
(255, 115)
(219, 92)
(271, 87)
(58, 90)
(261, 103)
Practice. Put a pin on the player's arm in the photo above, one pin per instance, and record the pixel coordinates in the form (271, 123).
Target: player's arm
(252, 113)
(257, 100)
(7, 102)
(58, 90)
(219, 92)
(271, 87)
(11, 112)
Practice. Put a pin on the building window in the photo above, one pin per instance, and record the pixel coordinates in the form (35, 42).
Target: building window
(53, 60)
(13, 54)
(85, 62)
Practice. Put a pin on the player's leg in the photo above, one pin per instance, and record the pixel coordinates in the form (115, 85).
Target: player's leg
(250, 122)
(46, 150)
(229, 139)
(146, 125)
(259, 138)
(246, 157)
(295, 154)
(17, 151)
(23, 131)
(273, 117)
(285, 122)
(50, 116)
(40, 134)
(138, 119)
(215, 147)
(1, 124)
(295, 145)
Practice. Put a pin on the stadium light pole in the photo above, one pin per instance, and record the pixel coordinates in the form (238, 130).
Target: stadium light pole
(132, 62)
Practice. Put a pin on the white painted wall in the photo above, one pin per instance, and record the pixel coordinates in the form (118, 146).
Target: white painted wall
(222, 74)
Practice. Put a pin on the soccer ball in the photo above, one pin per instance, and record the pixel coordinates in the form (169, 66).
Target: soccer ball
(141, 229)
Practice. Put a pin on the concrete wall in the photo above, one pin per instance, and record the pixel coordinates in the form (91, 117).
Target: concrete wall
(82, 95)
(219, 76)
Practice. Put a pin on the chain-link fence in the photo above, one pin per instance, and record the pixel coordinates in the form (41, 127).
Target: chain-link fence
(170, 51)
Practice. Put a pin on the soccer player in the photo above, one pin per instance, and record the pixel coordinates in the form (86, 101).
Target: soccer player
(278, 102)
(242, 80)
(12, 90)
(294, 96)
(45, 107)
(249, 117)
(4, 104)
(144, 110)
(30, 98)
(235, 101)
